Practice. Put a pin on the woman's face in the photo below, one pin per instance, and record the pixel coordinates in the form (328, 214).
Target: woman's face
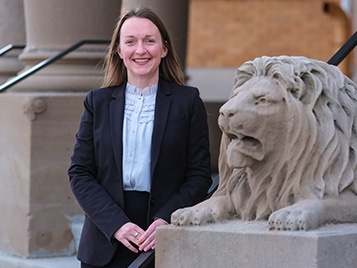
(141, 49)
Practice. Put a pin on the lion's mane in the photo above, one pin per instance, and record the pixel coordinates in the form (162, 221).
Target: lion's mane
(322, 103)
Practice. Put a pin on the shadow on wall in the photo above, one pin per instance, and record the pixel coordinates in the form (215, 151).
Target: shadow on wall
(214, 132)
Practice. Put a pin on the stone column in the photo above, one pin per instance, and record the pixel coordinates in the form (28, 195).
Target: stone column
(174, 14)
(51, 27)
(12, 31)
(38, 122)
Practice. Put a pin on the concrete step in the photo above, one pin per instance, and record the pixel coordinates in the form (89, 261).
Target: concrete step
(59, 262)
(7, 261)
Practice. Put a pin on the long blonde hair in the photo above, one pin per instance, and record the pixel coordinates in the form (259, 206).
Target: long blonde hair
(116, 72)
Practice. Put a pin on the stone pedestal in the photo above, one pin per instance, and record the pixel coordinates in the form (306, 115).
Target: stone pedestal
(36, 142)
(251, 245)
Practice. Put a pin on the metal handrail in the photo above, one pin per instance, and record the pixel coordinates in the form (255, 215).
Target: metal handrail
(146, 257)
(9, 47)
(49, 61)
(342, 53)
(143, 259)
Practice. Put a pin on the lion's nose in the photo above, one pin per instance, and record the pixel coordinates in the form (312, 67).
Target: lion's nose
(227, 115)
(223, 123)
(226, 112)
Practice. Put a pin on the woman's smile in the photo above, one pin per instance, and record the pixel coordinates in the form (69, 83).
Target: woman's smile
(141, 49)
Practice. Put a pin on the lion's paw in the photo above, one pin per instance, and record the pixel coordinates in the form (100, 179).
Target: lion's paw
(293, 220)
(176, 216)
(214, 209)
(191, 216)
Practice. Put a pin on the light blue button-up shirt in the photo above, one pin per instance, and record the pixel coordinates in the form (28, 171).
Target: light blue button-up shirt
(137, 132)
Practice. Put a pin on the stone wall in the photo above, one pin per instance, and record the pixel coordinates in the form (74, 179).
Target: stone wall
(260, 27)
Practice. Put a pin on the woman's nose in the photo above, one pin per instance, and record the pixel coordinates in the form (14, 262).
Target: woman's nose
(140, 48)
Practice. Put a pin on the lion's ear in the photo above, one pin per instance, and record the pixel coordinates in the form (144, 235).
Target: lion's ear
(296, 92)
(304, 91)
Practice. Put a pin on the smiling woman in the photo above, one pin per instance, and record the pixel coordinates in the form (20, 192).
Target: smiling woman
(141, 49)
(116, 71)
(142, 147)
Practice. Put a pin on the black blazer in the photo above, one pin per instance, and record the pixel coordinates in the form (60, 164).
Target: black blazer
(180, 163)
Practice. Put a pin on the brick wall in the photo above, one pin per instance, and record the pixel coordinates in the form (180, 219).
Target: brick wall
(226, 33)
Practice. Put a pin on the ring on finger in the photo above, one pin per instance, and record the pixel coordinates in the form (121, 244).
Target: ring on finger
(136, 234)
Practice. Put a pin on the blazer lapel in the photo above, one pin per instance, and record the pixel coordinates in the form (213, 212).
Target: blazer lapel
(162, 108)
(117, 106)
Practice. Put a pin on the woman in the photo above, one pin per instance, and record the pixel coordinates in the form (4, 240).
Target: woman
(142, 147)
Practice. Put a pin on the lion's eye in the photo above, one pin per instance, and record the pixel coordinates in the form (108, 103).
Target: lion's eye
(262, 100)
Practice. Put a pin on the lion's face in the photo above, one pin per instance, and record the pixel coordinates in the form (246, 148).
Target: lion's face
(254, 119)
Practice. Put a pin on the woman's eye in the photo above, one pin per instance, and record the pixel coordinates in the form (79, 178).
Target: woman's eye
(129, 42)
(150, 41)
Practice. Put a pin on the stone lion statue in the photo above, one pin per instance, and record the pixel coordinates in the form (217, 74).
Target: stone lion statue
(288, 148)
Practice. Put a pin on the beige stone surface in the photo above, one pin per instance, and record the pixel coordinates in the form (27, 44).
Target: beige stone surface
(288, 149)
(53, 26)
(78, 71)
(12, 31)
(9, 67)
(14, 174)
(37, 137)
(250, 245)
(57, 24)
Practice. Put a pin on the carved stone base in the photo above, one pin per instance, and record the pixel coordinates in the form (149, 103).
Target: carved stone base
(251, 245)
(36, 142)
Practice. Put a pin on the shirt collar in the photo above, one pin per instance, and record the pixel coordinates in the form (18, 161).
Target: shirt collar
(148, 91)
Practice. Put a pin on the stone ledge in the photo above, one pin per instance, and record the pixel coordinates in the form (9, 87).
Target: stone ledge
(60, 262)
(250, 244)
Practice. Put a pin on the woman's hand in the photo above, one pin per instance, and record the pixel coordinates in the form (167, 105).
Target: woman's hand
(147, 239)
(129, 232)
